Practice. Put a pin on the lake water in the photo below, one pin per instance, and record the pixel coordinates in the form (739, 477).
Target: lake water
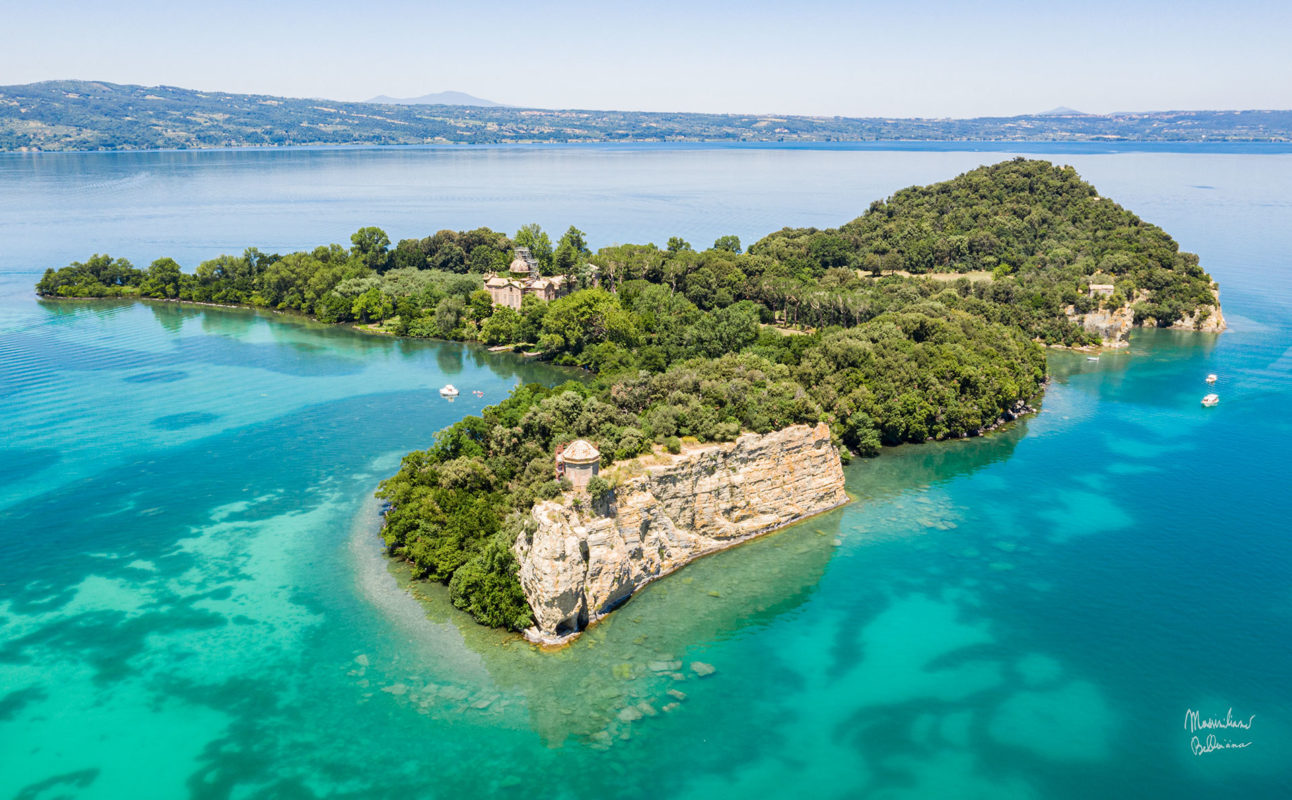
(193, 602)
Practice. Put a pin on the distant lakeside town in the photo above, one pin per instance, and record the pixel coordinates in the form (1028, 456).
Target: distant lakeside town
(95, 115)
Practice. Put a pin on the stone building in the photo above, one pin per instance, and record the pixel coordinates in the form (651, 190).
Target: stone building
(579, 461)
(522, 279)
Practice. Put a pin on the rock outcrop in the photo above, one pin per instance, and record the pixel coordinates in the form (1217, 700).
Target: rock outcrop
(1208, 319)
(1112, 325)
(578, 565)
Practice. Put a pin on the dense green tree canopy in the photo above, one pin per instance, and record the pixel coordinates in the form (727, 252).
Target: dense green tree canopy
(918, 320)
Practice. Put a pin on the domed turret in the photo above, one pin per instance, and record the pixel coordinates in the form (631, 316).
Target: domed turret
(523, 263)
(579, 461)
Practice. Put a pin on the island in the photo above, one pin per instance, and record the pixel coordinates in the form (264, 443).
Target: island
(727, 386)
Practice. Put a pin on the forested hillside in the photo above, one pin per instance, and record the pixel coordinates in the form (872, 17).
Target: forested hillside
(94, 115)
(808, 325)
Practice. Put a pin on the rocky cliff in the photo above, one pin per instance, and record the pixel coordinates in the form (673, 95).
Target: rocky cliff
(579, 564)
(1112, 325)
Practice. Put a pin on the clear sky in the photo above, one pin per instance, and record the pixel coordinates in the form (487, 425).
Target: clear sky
(931, 59)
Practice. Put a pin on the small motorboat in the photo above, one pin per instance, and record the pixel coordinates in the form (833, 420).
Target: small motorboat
(1210, 400)
(1211, 378)
(450, 391)
(1092, 358)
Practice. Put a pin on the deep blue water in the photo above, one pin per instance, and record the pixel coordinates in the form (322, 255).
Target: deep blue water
(193, 601)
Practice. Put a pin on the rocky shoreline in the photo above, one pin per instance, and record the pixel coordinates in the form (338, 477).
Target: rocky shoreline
(577, 566)
(1112, 326)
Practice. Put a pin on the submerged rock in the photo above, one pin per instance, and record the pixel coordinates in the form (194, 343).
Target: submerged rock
(702, 669)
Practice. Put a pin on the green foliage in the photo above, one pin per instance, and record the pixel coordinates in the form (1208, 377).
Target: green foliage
(571, 252)
(598, 489)
(729, 243)
(485, 586)
(99, 276)
(370, 246)
(540, 246)
(502, 327)
(96, 115)
(803, 328)
(1038, 229)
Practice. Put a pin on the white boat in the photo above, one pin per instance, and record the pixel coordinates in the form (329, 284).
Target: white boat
(1211, 378)
(1092, 358)
(449, 391)
(1210, 400)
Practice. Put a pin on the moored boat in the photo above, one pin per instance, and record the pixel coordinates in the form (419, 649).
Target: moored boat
(1211, 378)
(1210, 400)
(449, 391)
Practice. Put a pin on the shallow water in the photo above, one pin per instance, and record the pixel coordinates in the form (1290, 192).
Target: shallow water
(193, 601)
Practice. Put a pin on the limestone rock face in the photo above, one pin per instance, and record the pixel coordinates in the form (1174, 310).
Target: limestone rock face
(1113, 325)
(1213, 322)
(1110, 325)
(578, 566)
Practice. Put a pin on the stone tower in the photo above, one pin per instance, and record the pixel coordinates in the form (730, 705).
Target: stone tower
(579, 461)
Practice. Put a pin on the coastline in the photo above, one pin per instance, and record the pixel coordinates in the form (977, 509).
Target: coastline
(553, 643)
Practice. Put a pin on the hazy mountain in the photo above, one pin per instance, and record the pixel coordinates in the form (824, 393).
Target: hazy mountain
(94, 115)
(1062, 111)
(437, 99)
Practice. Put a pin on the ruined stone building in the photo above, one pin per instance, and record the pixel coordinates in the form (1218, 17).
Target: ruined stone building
(522, 279)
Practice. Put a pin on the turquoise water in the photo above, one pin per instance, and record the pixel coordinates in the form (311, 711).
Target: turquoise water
(193, 601)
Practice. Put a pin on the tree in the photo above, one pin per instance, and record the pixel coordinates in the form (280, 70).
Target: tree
(486, 259)
(501, 327)
(450, 258)
(162, 279)
(727, 330)
(448, 313)
(479, 305)
(587, 317)
(676, 244)
(408, 253)
(729, 243)
(369, 246)
(598, 489)
(571, 251)
(540, 247)
(372, 306)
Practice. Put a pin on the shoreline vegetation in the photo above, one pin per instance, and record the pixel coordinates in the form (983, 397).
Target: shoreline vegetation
(862, 327)
(96, 115)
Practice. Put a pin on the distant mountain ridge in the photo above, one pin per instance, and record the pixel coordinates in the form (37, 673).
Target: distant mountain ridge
(436, 99)
(94, 115)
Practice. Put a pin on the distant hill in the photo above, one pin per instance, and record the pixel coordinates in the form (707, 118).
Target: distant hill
(92, 115)
(1062, 111)
(437, 99)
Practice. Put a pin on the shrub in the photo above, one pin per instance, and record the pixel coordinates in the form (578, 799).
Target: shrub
(598, 490)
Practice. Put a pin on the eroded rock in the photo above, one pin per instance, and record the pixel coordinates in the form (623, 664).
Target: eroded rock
(578, 565)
